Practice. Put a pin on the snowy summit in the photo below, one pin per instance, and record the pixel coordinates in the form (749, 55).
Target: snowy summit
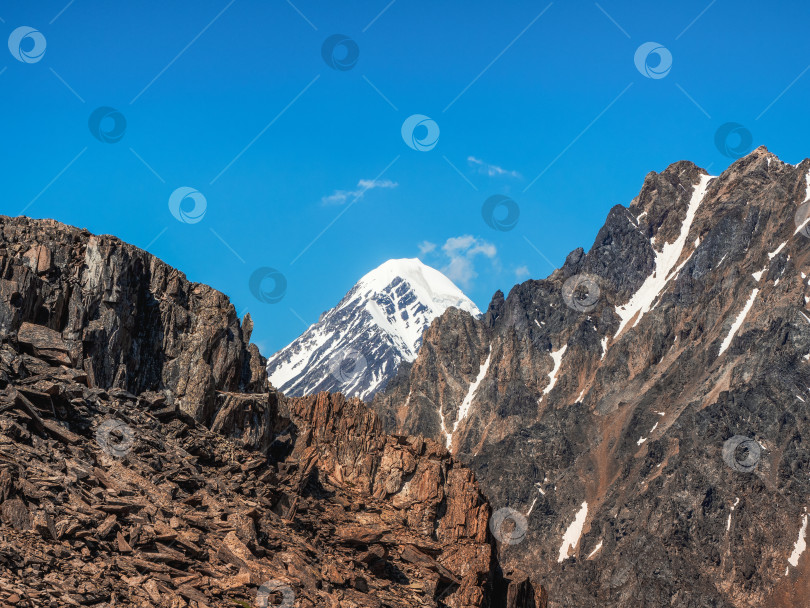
(357, 346)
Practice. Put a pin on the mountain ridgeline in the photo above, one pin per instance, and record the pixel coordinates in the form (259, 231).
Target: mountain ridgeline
(632, 430)
(644, 412)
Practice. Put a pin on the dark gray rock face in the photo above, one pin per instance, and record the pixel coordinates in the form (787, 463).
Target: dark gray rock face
(645, 407)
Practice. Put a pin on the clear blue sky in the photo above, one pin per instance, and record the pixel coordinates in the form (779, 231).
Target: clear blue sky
(198, 80)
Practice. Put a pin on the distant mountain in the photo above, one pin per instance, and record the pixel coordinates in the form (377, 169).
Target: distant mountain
(357, 346)
(644, 411)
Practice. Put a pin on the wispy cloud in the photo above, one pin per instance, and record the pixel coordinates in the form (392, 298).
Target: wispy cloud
(461, 253)
(522, 272)
(426, 247)
(340, 197)
(491, 170)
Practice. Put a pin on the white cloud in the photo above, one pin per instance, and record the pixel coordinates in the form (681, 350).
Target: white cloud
(491, 170)
(461, 252)
(340, 197)
(426, 247)
(522, 272)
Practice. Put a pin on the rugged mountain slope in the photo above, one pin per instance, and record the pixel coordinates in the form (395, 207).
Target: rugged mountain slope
(145, 461)
(356, 347)
(644, 409)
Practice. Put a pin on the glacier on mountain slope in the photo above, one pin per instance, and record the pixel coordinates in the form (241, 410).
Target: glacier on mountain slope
(356, 347)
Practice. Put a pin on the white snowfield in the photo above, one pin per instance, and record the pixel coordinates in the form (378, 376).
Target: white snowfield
(379, 322)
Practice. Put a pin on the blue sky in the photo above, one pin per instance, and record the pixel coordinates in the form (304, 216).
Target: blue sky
(303, 168)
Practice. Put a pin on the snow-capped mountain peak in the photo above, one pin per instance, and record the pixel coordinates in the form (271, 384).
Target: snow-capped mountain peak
(357, 346)
(418, 293)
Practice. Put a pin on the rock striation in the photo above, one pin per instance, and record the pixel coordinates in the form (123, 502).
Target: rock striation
(146, 461)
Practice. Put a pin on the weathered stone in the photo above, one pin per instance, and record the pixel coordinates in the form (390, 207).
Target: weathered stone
(38, 259)
(44, 342)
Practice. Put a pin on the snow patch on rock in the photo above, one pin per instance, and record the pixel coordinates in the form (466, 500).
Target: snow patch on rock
(557, 357)
(800, 545)
(665, 262)
(465, 405)
(738, 322)
(573, 533)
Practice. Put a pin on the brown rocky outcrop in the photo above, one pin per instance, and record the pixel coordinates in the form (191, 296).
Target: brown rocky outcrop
(145, 460)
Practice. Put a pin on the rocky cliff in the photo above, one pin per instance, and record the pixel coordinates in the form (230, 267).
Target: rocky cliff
(146, 461)
(643, 411)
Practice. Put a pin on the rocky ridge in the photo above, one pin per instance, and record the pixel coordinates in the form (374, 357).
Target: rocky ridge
(643, 410)
(146, 461)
